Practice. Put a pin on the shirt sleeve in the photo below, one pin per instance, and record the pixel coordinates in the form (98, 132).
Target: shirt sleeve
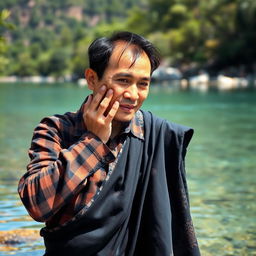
(56, 174)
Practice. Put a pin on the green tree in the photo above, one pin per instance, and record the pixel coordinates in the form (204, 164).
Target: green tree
(4, 25)
(24, 66)
(213, 31)
(58, 62)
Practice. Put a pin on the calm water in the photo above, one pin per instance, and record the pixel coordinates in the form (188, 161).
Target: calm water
(221, 160)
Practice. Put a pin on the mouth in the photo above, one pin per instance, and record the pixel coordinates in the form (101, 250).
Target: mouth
(127, 107)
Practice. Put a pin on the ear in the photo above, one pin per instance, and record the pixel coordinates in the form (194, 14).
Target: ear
(91, 78)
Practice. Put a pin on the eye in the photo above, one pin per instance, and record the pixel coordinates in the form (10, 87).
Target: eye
(123, 80)
(144, 84)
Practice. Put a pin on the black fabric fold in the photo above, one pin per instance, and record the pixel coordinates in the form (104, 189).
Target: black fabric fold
(143, 208)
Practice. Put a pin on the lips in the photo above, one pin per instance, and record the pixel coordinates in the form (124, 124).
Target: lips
(127, 107)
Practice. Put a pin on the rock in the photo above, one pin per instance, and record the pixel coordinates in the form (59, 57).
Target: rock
(12, 237)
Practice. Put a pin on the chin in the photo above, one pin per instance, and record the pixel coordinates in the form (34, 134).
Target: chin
(123, 117)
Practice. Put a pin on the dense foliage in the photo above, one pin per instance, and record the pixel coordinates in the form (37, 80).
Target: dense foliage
(4, 25)
(51, 37)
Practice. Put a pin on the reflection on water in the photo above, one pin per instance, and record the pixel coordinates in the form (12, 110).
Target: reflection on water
(221, 159)
(13, 216)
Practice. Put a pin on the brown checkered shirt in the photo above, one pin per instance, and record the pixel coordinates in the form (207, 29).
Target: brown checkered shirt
(69, 166)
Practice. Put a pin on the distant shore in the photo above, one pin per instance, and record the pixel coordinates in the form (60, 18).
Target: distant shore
(163, 77)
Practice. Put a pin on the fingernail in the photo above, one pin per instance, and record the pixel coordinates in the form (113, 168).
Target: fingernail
(103, 88)
(116, 104)
(110, 91)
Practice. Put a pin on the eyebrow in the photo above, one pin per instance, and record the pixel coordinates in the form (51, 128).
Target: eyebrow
(127, 75)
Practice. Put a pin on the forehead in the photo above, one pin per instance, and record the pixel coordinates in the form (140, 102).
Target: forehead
(125, 55)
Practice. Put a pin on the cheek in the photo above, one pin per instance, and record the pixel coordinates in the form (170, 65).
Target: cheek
(118, 93)
(111, 85)
(143, 95)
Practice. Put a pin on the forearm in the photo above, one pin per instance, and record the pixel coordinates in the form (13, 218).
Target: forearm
(53, 179)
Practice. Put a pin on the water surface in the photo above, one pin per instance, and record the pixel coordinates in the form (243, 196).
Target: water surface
(221, 161)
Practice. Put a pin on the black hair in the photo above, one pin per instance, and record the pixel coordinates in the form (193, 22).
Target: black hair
(101, 49)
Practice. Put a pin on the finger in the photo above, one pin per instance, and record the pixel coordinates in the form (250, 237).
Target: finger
(112, 113)
(104, 105)
(87, 103)
(98, 97)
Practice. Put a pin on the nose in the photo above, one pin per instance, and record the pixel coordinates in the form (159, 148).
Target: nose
(131, 93)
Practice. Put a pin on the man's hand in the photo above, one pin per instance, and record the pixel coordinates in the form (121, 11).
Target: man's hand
(97, 118)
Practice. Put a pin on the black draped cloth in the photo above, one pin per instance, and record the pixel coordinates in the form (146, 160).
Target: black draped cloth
(143, 209)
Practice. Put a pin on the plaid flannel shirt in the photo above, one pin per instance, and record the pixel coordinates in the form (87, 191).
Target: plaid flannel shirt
(69, 166)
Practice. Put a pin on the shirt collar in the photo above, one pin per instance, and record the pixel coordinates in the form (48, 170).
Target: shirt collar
(136, 126)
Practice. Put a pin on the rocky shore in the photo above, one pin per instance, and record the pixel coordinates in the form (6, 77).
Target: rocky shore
(10, 239)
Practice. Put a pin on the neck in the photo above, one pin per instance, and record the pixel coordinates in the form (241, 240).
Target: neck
(117, 128)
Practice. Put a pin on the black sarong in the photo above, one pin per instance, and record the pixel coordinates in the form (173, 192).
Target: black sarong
(143, 209)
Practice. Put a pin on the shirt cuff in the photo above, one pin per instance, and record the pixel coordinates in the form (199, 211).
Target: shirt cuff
(99, 149)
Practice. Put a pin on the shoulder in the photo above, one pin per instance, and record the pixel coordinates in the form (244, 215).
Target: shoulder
(58, 121)
(161, 123)
(171, 131)
(58, 127)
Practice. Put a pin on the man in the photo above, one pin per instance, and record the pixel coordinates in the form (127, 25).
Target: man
(109, 179)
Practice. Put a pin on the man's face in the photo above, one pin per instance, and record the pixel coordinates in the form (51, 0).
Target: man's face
(130, 83)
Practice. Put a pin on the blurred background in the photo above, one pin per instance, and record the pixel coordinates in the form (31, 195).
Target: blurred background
(207, 80)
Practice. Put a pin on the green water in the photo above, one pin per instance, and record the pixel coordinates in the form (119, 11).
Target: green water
(221, 160)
